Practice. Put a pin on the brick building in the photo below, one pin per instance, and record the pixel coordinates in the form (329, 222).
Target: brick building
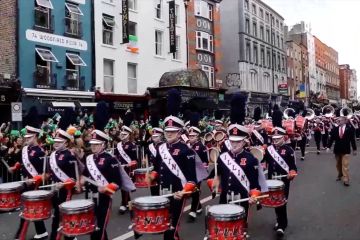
(345, 80)
(296, 64)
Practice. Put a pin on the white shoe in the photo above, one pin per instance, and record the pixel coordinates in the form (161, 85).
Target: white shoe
(280, 232)
(199, 211)
(122, 209)
(41, 236)
(276, 226)
(192, 214)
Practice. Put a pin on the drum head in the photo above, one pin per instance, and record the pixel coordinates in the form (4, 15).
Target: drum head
(37, 194)
(6, 187)
(151, 201)
(143, 170)
(226, 210)
(77, 204)
(275, 184)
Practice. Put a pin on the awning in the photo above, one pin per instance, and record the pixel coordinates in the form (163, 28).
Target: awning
(75, 59)
(55, 94)
(46, 55)
(109, 21)
(72, 8)
(63, 104)
(45, 3)
(87, 104)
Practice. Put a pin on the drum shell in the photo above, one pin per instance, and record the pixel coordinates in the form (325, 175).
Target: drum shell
(140, 178)
(36, 207)
(151, 218)
(77, 221)
(10, 197)
(276, 194)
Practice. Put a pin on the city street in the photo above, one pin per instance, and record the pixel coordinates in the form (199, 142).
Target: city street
(319, 208)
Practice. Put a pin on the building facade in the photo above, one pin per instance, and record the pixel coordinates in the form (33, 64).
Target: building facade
(129, 67)
(345, 81)
(353, 86)
(54, 52)
(255, 52)
(204, 38)
(295, 71)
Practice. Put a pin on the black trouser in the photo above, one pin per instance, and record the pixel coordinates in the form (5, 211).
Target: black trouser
(195, 203)
(39, 225)
(357, 132)
(101, 210)
(58, 198)
(176, 209)
(317, 137)
(281, 212)
(155, 190)
(325, 138)
(302, 145)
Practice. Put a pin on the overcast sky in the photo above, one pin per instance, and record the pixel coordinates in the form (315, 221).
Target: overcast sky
(334, 22)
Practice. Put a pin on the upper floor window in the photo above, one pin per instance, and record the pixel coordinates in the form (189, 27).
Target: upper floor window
(42, 15)
(73, 64)
(261, 13)
(204, 9)
(108, 75)
(177, 54)
(246, 5)
(254, 29)
(158, 9)
(209, 71)
(108, 29)
(132, 77)
(177, 14)
(132, 4)
(204, 41)
(73, 24)
(262, 32)
(45, 4)
(267, 17)
(254, 9)
(158, 43)
(132, 28)
(247, 26)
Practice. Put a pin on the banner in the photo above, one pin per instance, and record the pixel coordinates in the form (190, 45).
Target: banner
(172, 27)
(125, 21)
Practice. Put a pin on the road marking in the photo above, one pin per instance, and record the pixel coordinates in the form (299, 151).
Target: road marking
(187, 208)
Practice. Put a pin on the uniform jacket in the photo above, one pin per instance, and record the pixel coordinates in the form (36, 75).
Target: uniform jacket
(287, 153)
(36, 155)
(130, 149)
(64, 160)
(342, 145)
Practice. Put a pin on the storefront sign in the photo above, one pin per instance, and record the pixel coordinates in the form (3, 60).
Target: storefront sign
(283, 88)
(57, 40)
(204, 25)
(125, 21)
(123, 105)
(204, 58)
(16, 111)
(172, 27)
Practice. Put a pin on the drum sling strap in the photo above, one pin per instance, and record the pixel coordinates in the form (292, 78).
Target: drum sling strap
(55, 168)
(152, 149)
(227, 144)
(171, 163)
(27, 164)
(258, 136)
(278, 159)
(123, 153)
(237, 171)
(95, 172)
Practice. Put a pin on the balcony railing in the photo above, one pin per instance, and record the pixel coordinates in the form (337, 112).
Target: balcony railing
(43, 20)
(73, 27)
(74, 81)
(43, 78)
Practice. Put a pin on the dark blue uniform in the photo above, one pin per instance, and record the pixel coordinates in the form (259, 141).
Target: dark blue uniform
(256, 142)
(185, 159)
(155, 190)
(36, 157)
(64, 160)
(109, 168)
(288, 154)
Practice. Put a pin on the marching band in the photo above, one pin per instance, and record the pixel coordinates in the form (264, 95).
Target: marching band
(243, 161)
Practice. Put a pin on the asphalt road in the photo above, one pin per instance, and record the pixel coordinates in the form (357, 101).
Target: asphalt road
(319, 208)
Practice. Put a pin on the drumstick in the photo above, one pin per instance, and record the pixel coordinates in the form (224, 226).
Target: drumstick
(170, 195)
(76, 170)
(6, 164)
(97, 185)
(44, 170)
(54, 184)
(247, 199)
(281, 176)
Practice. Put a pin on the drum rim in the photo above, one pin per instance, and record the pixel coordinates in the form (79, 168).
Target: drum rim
(25, 197)
(81, 209)
(142, 170)
(17, 188)
(226, 217)
(164, 202)
(282, 186)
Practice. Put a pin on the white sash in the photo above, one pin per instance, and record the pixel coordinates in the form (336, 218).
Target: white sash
(275, 155)
(227, 144)
(123, 153)
(56, 170)
(171, 164)
(152, 149)
(236, 170)
(258, 136)
(25, 158)
(95, 172)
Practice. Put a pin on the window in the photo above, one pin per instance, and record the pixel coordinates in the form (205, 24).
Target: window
(158, 43)
(254, 9)
(132, 4)
(246, 5)
(42, 16)
(268, 58)
(73, 64)
(268, 35)
(278, 63)
(177, 54)
(261, 13)
(278, 41)
(46, 55)
(254, 29)
(209, 71)
(248, 52)
(43, 59)
(75, 59)
(44, 3)
(132, 28)
(204, 41)
(108, 28)
(262, 32)
(132, 77)
(273, 38)
(158, 9)
(204, 9)
(277, 23)
(262, 56)
(255, 54)
(177, 14)
(282, 43)
(247, 26)
(267, 17)
(73, 9)
(108, 75)
(73, 25)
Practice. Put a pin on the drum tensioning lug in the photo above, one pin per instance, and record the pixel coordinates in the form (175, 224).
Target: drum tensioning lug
(20, 214)
(130, 227)
(60, 228)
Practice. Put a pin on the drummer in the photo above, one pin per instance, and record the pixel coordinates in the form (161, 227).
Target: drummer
(126, 153)
(201, 151)
(104, 169)
(280, 158)
(175, 164)
(237, 170)
(32, 166)
(62, 168)
(157, 135)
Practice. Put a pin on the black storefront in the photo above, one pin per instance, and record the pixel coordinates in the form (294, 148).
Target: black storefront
(8, 94)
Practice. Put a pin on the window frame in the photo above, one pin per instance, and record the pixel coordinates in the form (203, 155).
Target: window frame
(177, 54)
(200, 38)
(158, 10)
(38, 51)
(108, 27)
(134, 4)
(69, 56)
(109, 76)
(161, 43)
(132, 78)
(41, 4)
(210, 73)
(71, 5)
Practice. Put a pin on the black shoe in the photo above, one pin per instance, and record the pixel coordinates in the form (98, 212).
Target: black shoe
(318, 152)
(338, 179)
(276, 226)
(192, 217)
(346, 184)
(137, 235)
(280, 233)
(302, 158)
(122, 210)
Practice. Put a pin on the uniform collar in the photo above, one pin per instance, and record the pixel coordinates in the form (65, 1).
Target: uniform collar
(172, 144)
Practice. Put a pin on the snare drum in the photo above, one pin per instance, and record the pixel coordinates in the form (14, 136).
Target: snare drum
(151, 215)
(10, 196)
(77, 217)
(226, 222)
(36, 205)
(276, 194)
(140, 178)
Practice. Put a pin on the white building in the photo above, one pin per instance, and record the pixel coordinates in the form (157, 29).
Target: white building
(353, 85)
(131, 68)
